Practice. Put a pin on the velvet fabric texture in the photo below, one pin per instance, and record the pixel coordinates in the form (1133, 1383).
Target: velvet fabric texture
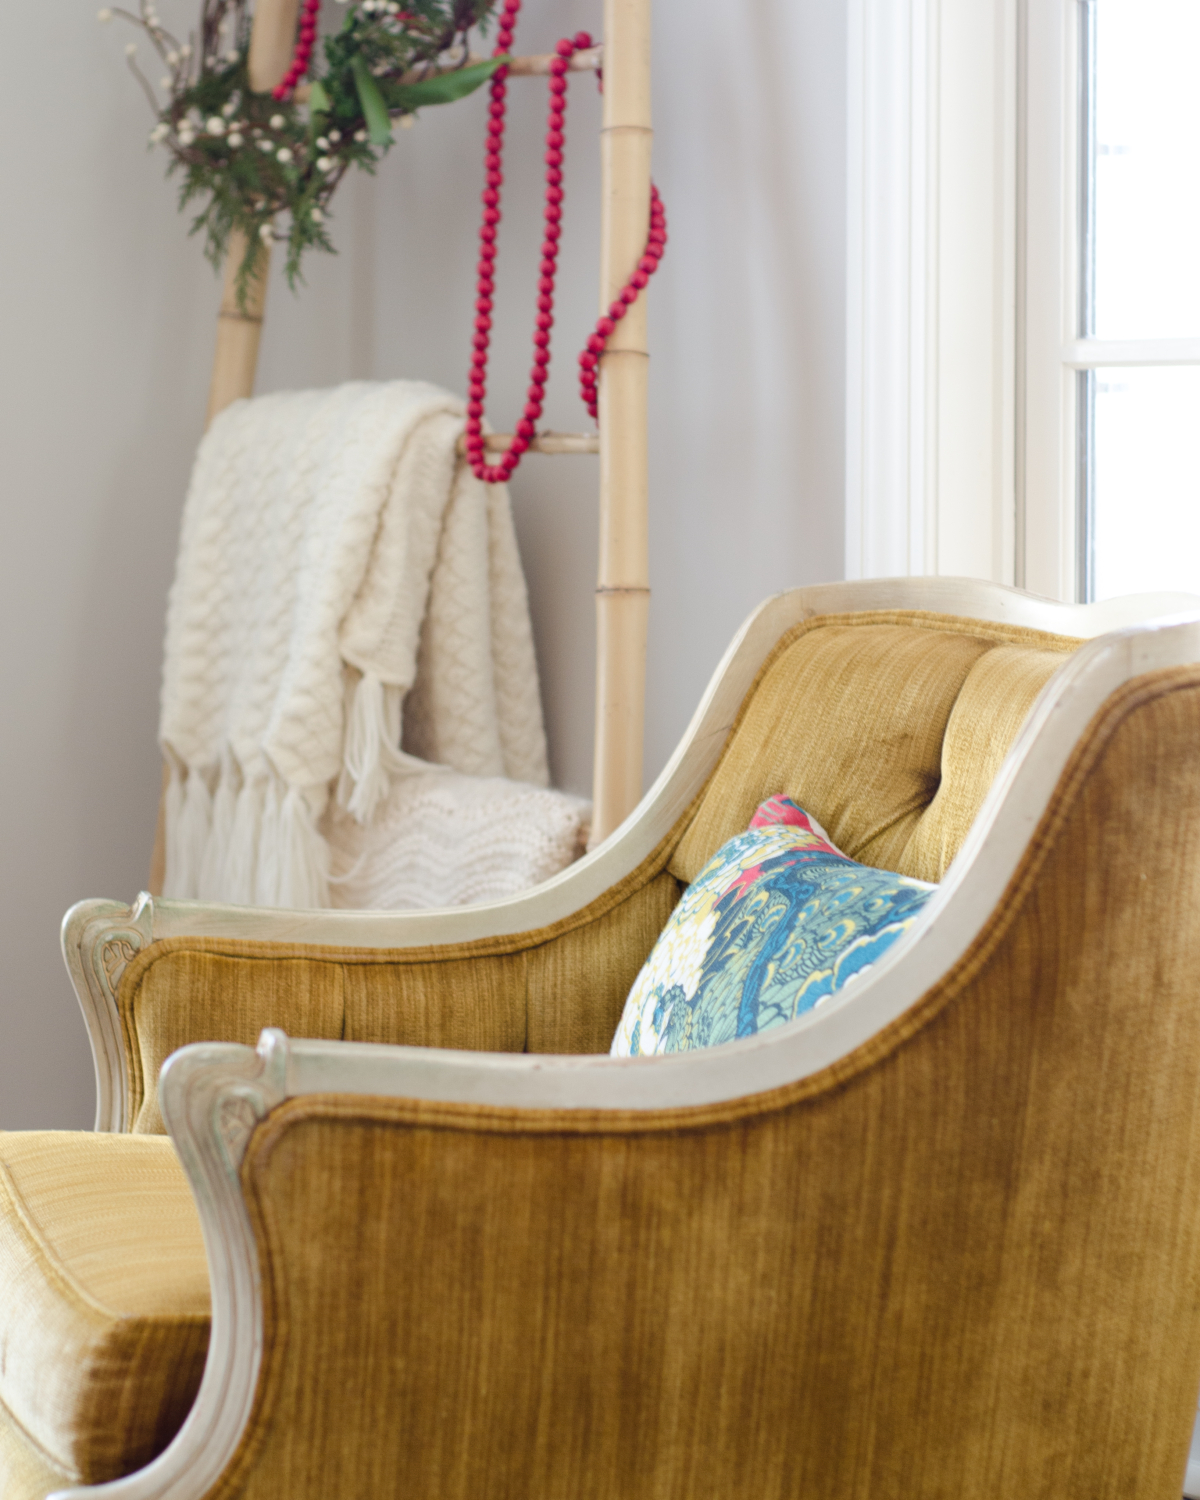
(888, 726)
(851, 717)
(26, 1473)
(962, 1263)
(560, 989)
(104, 1308)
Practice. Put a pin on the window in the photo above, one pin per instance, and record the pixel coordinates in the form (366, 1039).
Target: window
(1138, 352)
(1023, 293)
(1112, 502)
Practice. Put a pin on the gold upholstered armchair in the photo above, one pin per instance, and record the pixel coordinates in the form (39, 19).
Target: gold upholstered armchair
(938, 1238)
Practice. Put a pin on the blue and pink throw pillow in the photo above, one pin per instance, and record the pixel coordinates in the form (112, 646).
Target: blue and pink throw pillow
(776, 922)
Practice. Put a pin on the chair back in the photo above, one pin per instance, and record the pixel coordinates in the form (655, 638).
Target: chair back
(888, 726)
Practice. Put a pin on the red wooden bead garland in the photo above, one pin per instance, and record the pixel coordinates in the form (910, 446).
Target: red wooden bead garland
(304, 50)
(552, 216)
(589, 360)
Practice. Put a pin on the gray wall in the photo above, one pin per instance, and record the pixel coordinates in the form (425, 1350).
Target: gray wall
(106, 330)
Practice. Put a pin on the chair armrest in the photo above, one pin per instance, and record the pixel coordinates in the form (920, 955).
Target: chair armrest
(100, 939)
(556, 989)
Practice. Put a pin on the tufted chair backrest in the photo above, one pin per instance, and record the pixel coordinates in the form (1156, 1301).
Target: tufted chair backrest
(888, 727)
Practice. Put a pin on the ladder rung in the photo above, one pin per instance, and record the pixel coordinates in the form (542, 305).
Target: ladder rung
(536, 66)
(543, 442)
(539, 64)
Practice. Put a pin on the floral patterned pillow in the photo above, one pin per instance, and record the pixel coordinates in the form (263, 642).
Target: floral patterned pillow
(776, 922)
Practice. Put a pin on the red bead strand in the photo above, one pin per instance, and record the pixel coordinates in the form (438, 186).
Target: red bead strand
(589, 360)
(305, 44)
(552, 216)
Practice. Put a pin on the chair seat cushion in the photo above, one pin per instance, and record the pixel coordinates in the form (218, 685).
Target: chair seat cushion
(777, 921)
(104, 1298)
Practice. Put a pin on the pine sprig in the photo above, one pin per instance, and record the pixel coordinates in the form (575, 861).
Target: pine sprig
(251, 161)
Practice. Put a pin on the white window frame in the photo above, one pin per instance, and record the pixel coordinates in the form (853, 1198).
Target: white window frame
(1050, 353)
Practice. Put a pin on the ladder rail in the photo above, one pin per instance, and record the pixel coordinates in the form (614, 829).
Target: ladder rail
(239, 324)
(623, 585)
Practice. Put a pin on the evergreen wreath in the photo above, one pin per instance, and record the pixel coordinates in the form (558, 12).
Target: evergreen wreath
(252, 157)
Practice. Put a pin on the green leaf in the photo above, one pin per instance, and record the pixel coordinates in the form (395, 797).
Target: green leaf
(442, 88)
(379, 126)
(318, 99)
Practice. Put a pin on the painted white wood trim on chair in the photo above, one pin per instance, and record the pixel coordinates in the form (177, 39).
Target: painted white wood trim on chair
(212, 1097)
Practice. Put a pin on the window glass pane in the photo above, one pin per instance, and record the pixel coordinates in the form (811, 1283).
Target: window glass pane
(1147, 168)
(1146, 479)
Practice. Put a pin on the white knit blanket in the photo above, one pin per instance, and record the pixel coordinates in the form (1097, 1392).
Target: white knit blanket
(441, 839)
(334, 555)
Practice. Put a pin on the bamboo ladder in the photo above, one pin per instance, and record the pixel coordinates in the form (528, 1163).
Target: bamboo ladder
(623, 586)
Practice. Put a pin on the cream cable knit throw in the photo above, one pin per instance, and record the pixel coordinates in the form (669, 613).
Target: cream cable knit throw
(322, 531)
(441, 839)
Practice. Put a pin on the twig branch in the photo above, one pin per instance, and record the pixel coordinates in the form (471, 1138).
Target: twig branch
(145, 83)
(251, 168)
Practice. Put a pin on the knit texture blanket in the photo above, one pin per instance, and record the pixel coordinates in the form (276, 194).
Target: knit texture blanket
(334, 555)
(441, 839)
